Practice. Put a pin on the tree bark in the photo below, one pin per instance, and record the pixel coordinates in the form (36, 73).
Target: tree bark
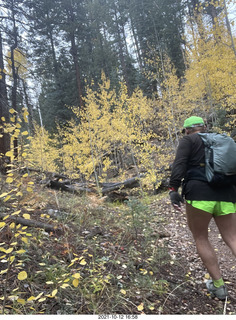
(14, 35)
(74, 53)
(29, 108)
(4, 112)
(229, 28)
(33, 223)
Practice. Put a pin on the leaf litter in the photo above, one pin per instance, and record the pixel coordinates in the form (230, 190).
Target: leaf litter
(136, 264)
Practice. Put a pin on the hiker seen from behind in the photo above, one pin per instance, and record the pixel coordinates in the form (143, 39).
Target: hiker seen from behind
(208, 194)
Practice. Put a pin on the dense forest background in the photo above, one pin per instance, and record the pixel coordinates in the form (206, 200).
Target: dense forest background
(99, 81)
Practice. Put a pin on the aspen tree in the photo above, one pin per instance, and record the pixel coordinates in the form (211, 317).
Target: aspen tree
(43, 153)
(210, 78)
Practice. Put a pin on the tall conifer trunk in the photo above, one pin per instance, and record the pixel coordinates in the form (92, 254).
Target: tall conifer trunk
(4, 112)
(229, 28)
(74, 52)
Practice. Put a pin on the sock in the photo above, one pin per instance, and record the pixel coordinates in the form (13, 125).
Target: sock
(218, 283)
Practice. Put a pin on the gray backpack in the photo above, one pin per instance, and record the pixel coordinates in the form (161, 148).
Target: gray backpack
(220, 158)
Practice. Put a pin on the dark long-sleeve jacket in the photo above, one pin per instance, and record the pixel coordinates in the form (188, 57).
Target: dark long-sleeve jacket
(190, 158)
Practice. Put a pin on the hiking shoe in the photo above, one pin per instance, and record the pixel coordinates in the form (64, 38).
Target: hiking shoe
(220, 293)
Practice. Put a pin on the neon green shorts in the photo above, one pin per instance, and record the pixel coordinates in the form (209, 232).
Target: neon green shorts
(216, 208)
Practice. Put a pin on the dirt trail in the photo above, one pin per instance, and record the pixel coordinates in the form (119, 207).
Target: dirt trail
(193, 296)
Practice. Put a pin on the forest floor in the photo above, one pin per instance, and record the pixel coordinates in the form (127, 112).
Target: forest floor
(134, 258)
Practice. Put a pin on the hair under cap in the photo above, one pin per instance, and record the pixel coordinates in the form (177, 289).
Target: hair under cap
(193, 121)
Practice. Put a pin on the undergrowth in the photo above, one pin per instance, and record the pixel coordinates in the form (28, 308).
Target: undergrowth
(101, 258)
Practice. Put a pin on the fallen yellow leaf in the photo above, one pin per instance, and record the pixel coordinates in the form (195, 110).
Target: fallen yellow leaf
(140, 307)
(122, 291)
(21, 301)
(26, 216)
(83, 262)
(54, 292)
(22, 275)
(75, 283)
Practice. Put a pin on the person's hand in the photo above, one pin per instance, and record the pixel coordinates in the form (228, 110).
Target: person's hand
(176, 200)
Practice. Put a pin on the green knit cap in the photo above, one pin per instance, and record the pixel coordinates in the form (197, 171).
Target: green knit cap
(193, 121)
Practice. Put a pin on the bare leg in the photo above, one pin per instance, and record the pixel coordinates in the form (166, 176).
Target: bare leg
(198, 221)
(227, 227)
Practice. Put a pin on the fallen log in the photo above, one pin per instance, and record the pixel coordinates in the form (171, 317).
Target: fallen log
(129, 183)
(79, 188)
(33, 223)
(64, 186)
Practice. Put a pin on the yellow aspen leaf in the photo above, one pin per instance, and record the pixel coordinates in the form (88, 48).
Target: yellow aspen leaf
(13, 243)
(26, 216)
(151, 308)
(140, 307)
(21, 301)
(3, 271)
(12, 225)
(19, 194)
(9, 250)
(8, 129)
(75, 283)
(42, 299)
(25, 116)
(9, 154)
(9, 180)
(12, 111)
(207, 276)
(24, 154)
(122, 291)
(16, 213)
(54, 292)
(20, 251)
(39, 296)
(25, 175)
(31, 182)
(65, 285)
(76, 275)
(22, 275)
(3, 119)
(29, 189)
(67, 280)
(3, 194)
(24, 133)
(2, 224)
(32, 298)
(12, 259)
(49, 282)
(7, 198)
(25, 240)
(18, 125)
(83, 262)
